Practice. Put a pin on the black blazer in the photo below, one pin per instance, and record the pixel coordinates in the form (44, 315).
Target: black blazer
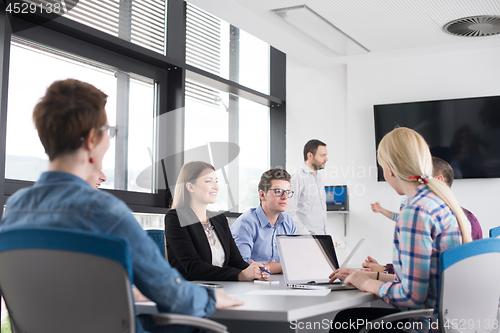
(189, 251)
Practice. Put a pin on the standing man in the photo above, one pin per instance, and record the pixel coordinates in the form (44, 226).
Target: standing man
(308, 206)
(255, 230)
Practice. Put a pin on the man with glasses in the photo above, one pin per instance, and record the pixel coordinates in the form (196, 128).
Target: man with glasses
(255, 230)
(308, 206)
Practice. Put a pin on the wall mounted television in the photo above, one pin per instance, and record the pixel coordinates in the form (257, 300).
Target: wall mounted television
(464, 132)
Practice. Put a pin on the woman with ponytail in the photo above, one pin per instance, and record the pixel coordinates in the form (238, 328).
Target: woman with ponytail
(430, 221)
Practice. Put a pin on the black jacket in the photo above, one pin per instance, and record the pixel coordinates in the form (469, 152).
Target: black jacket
(189, 252)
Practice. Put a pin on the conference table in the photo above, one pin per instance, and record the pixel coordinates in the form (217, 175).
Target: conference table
(271, 307)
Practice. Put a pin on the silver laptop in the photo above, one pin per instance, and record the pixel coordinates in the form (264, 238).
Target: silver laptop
(308, 261)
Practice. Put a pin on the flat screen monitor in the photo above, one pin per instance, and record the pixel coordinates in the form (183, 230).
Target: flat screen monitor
(463, 132)
(336, 198)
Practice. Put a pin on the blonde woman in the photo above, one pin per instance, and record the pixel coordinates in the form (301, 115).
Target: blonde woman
(431, 221)
(199, 243)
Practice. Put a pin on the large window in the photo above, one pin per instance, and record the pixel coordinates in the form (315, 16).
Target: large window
(211, 80)
(33, 68)
(213, 117)
(217, 116)
(224, 50)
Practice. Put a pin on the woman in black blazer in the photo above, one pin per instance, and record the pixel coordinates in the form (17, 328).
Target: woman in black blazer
(199, 243)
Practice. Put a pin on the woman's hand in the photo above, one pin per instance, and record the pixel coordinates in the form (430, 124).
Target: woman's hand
(376, 208)
(224, 301)
(371, 265)
(341, 273)
(359, 280)
(253, 272)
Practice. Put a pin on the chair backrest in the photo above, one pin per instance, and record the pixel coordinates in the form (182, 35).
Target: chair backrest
(470, 287)
(57, 280)
(495, 232)
(159, 238)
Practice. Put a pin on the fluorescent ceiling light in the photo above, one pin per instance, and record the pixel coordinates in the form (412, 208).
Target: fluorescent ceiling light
(319, 29)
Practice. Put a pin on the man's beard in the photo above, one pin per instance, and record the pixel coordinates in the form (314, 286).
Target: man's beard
(317, 166)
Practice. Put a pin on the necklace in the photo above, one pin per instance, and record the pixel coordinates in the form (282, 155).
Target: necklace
(209, 231)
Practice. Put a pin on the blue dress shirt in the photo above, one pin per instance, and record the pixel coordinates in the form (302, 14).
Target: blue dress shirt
(63, 200)
(256, 237)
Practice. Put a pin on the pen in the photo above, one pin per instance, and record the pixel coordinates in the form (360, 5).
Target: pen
(262, 269)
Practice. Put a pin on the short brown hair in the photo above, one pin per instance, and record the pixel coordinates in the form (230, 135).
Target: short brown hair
(312, 147)
(66, 114)
(270, 175)
(441, 167)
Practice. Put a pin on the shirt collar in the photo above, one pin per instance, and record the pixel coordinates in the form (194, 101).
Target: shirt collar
(418, 191)
(263, 218)
(306, 168)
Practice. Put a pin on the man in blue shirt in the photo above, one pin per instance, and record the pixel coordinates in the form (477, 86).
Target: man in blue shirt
(255, 230)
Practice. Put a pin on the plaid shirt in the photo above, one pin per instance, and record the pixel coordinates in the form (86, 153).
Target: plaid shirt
(426, 227)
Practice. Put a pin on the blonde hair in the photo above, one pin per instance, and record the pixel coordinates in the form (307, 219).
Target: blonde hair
(189, 172)
(407, 154)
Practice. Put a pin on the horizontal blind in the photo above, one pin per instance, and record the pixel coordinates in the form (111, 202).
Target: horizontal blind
(147, 18)
(202, 94)
(149, 24)
(203, 40)
(98, 14)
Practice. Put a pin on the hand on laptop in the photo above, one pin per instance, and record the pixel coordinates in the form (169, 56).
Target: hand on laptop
(364, 281)
(341, 273)
(224, 301)
(359, 280)
(372, 265)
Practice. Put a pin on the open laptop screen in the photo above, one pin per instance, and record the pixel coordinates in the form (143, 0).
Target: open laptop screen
(307, 257)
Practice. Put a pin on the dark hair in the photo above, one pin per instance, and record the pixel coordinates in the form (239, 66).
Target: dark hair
(312, 147)
(441, 167)
(270, 175)
(66, 114)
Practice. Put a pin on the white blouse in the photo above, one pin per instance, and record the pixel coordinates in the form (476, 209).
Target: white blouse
(218, 255)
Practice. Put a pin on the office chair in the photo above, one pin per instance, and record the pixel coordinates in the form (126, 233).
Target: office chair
(159, 238)
(469, 291)
(495, 232)
(57, 280)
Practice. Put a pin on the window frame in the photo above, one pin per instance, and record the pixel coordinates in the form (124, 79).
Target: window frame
(169, 71)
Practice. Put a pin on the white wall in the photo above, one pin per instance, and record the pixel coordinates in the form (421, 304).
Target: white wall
(336, 105)
(316, 109)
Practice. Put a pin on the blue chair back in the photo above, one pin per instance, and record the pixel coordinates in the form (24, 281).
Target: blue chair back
(57, 280)
(158, 237)
(495, 232)
(470, 288)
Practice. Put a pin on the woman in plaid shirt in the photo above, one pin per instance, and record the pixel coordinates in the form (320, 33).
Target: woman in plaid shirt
(431, 221)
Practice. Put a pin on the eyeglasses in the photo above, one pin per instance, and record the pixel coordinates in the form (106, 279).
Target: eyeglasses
(113, 130)
(280, 192)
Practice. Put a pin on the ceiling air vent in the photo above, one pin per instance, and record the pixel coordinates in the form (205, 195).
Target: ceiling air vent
(474, 26)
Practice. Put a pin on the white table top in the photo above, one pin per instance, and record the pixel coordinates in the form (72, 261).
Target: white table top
(281, 308)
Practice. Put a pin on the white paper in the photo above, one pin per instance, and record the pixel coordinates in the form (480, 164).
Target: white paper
(290, 292)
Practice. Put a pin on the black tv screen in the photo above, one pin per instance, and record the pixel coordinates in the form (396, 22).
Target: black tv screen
(464, 132)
